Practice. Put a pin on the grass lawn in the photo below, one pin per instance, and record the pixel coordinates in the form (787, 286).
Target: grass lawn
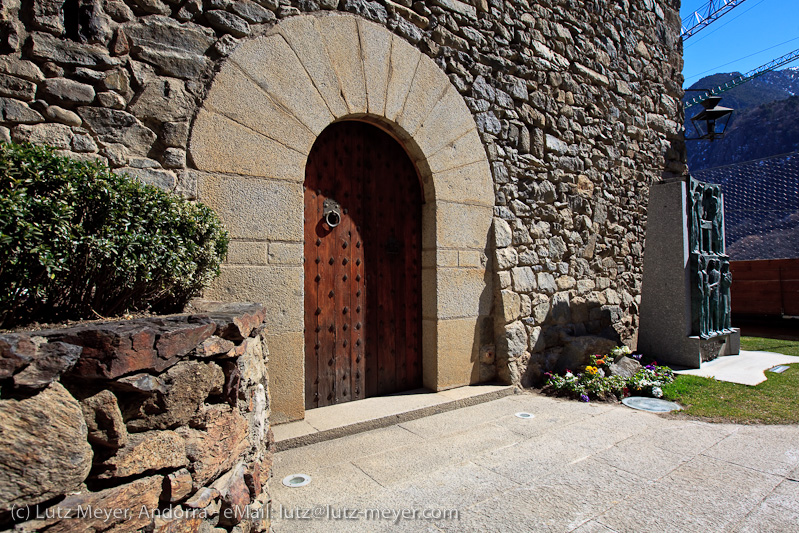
(775, 401)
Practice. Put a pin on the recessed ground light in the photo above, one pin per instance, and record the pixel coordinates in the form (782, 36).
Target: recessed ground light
(525, 415)
(296, 480)
(653, 405)
(779, 369)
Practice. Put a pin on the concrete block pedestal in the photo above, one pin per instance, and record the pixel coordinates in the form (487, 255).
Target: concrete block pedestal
(665, 331)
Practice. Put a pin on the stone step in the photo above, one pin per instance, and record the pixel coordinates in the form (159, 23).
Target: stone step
(335, 421)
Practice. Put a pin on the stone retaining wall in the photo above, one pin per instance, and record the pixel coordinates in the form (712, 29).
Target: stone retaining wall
(577, 105)
(147, 424)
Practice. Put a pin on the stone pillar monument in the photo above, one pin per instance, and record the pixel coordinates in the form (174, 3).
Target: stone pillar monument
(685, 301)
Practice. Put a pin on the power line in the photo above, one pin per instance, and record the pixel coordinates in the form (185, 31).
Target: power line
(749, 76)
(702, 18)
(742, 58)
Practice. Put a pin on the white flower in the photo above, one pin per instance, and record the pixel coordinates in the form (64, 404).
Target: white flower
(569, 375)
(657, 392)
(619, 351)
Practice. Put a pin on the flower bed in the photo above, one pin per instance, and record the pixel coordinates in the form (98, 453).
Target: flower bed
(604, 378)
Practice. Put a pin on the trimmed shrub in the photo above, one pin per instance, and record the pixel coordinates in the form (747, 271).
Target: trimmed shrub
(78, 241)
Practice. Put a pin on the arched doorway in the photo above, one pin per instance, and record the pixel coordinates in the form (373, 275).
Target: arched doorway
(249, 146)
(362, 249)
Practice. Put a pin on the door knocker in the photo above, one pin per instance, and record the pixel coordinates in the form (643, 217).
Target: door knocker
(331, 212)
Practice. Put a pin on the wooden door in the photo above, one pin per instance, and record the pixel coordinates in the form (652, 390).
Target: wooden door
(362, 276)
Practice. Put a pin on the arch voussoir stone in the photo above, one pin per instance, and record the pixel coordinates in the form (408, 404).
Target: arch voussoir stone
(403, 63)
(304, 38)
(464, 150)
(376, 54)
(446, 122)
(261, 113)
(219, 144)
(274, 66)
(344, 52)
(466, 184)
(428, 86)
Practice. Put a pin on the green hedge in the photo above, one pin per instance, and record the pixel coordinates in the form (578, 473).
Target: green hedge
(78, 241)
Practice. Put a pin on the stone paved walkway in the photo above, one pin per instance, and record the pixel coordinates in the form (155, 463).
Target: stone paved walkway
(586, 468)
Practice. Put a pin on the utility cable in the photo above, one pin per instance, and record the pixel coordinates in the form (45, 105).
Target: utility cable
(741, 58)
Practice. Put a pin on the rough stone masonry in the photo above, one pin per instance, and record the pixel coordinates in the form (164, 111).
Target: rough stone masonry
(577, 103)
(153, 424)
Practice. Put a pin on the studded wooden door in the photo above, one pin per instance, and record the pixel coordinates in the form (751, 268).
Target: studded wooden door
(363, 275)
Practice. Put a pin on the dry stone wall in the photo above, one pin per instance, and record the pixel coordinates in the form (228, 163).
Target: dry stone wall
(577, 104)
(156, 424)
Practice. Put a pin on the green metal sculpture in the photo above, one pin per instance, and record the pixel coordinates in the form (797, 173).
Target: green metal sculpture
(710, 266)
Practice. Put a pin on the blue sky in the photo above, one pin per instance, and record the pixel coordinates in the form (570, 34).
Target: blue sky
(755, 28)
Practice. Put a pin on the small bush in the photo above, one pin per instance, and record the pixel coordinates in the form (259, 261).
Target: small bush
(77, 241)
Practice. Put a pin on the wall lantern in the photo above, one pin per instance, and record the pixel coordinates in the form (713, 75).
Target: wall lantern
(711, 122)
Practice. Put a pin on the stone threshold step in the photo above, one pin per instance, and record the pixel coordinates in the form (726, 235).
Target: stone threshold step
(335, 421)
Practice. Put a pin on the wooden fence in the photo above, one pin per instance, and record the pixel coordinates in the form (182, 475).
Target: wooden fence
(768, 287)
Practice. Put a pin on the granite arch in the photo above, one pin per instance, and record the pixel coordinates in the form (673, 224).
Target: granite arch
(249, 143)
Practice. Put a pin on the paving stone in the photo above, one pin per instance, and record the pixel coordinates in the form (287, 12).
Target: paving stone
(692, 438)
(458, 487)
(785, 496)
(683, 498)
(330, 484)
(541, 457)
(399, 464)
(772, 450)
(771, 517)
(460, 420)
(626, 455)
(337, 451)
(593, 526)
(561, 477)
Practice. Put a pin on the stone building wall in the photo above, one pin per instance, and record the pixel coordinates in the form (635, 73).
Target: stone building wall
(156, 424)
(577, 104)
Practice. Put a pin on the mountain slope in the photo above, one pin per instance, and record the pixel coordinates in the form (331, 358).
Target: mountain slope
(764, 122)
(755, 133)
(775, 85)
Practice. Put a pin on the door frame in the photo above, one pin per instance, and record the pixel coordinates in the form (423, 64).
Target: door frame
(250, 140)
